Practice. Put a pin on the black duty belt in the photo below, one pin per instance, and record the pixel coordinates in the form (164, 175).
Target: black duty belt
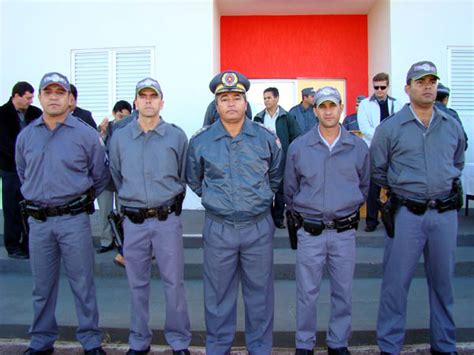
(316, 227)
(420, 207)
(84, 203)
(138, 215)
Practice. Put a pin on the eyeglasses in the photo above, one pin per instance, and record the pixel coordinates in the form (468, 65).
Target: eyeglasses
(380, 87)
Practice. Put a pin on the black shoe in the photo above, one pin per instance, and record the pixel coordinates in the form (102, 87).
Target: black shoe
(95, 351)
(280, 225)
(181, 352)
(384, 353)
(138, 352)
(338, 351)
(105, 248)
(304, 352)
(31, 351)
(434, 352)
(18, 254)
(370, 228)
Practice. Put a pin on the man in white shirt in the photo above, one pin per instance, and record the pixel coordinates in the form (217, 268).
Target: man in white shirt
(371, 112)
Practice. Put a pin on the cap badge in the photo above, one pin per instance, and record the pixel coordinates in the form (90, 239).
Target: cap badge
(229, 79)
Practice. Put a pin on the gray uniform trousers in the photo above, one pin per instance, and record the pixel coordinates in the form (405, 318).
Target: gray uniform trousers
(433, 235)
(164, 239)
(337, 251)
(67, 238)
(231, 255)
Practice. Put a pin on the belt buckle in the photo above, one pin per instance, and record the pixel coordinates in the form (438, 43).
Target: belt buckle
(151, 212)
(431, 204)
(330, 225)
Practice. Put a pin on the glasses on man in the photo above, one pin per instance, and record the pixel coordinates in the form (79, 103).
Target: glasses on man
(382, 87)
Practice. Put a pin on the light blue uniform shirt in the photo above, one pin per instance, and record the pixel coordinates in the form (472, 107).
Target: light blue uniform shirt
(326, 184)
(148, 168)
(416, 162)
(57, 166)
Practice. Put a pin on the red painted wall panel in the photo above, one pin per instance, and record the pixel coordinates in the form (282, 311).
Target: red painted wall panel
(315, 46)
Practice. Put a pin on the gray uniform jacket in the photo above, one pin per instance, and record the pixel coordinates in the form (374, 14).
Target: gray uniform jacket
(416, 162)
(56, 166)
(148, 168)
(236, 177)
(323, 184)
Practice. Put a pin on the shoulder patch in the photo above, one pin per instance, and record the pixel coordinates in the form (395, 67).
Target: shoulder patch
(199, 131)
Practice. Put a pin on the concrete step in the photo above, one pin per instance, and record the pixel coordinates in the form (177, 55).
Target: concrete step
(368, 264)
(113, 298)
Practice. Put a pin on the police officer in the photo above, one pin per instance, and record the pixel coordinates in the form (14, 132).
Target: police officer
(417, 154)
(303, 112)
(326, 196)
(235, 166)
(442, 99)
(147, 163)
(60, 162)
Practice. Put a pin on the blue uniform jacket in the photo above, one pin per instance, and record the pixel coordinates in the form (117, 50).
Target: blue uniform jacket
(236, 177)
(323, 184)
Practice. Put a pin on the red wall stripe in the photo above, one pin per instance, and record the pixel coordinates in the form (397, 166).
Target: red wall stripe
(287, 47)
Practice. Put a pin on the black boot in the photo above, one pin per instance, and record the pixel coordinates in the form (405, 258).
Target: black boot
(338, 351)
(304, 352)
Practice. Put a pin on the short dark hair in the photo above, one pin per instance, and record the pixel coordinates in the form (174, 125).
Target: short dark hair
(440, 96)
(74, 91)
(381, 77)
(21, 87)
(273, 90)
(122, 105)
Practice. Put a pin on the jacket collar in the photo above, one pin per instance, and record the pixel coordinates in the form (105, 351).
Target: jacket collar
(282, 112)
(407, 114)
(389, 98)
(70, 121)
(315, 138)
(159, 129)
(248, 128)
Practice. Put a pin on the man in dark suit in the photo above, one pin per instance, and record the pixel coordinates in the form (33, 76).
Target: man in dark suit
(15, 115)
(84, 115)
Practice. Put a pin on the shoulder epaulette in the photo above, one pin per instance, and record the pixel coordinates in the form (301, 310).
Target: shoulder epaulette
(199, 131)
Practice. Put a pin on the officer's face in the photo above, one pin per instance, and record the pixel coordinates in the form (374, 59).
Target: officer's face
(149, 103)
(422, 92)
(55, 100)
(231, 106)
(328, 113)
(270, 101)
(381, 89)
(309, 99)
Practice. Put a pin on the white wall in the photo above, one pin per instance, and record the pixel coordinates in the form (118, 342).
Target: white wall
(423, 30)
(378, 26)
(38, 36)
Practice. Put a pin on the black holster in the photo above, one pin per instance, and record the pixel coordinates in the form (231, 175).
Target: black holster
(179, 204)
(294, 222)
(387, 211)
(116, 223)
(134, 214)
(458, 191)
(85, 202)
